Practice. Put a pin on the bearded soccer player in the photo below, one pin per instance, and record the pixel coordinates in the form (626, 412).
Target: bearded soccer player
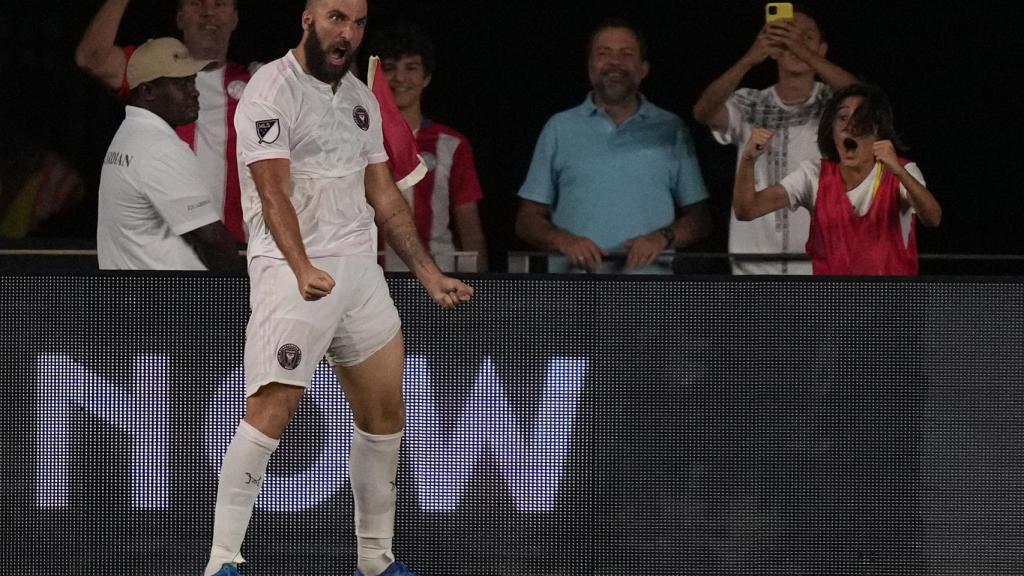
(314, 180)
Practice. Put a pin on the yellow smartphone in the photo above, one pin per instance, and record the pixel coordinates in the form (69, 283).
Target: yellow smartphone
(778, 11)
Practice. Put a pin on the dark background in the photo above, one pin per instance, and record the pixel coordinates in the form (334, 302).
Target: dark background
(505, 67)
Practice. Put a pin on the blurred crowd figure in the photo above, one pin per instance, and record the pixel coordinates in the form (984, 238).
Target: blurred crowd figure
(39, 189)
(445, 202)
(614, 174)
(42, 190)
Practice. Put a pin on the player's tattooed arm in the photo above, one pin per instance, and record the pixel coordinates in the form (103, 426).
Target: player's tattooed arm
(395, 220)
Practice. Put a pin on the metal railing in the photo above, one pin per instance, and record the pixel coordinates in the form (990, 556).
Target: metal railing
(458, 261)
(40, 257)
(535, 262)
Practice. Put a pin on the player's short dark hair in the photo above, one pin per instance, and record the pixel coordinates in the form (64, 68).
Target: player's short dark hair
(403, 39)
(874, 115)
(607, 23)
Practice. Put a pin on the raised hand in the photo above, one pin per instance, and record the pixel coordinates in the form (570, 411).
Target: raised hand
(758, 143)
(764, 47)
(885, 153)
(781, 33)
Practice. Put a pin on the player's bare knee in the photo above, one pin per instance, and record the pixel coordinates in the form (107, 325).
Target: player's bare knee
(382, 418)
(271, 408)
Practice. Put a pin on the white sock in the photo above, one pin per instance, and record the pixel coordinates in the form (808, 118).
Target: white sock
(373, 467)
(241, 477)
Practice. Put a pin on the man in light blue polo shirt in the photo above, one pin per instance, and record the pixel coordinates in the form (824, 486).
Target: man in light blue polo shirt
(616, 174)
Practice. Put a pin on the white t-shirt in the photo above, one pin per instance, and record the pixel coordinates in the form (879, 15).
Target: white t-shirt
(330, 138)
(212, 133)
(795, 140)
(802, 187)
(150, 194)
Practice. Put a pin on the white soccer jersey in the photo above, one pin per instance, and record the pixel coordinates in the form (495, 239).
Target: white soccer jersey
(150, 194)
(329, 137)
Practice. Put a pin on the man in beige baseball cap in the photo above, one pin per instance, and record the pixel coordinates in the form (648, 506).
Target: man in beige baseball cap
(162, 58)
(155, 211)
(206, 29)
(161, 78)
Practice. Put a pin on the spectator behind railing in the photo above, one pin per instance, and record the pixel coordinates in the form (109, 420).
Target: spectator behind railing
(792, 108)
(445, 202)
(861, 195)
(155, 213)
(206, 27)
(616, 173)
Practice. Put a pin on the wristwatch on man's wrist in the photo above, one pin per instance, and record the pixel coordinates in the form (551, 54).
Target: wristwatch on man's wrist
(670, 237)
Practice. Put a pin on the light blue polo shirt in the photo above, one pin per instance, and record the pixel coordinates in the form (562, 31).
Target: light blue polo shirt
(612, 183)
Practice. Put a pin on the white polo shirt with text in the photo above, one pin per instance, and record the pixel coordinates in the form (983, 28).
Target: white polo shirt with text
(150, 194)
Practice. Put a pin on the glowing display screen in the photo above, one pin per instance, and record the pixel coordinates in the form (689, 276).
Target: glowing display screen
(554, 426)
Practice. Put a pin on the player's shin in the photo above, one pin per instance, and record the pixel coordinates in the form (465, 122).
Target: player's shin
(241, 477)
(373, 469)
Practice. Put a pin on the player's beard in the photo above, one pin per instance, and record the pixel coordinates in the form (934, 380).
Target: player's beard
(316, 58)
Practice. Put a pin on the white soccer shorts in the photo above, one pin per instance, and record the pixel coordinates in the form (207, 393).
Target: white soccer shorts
(287, 336)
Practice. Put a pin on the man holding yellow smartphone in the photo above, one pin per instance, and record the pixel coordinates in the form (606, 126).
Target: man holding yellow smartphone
(792, 108)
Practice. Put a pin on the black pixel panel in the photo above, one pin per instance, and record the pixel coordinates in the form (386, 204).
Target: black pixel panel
(556, 426)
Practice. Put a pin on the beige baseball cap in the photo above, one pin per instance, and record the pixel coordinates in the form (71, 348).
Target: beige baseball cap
(161, 58)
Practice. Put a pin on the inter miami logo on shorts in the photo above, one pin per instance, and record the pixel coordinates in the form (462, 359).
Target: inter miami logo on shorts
(268, 131)
(362, 118)
(289, 356)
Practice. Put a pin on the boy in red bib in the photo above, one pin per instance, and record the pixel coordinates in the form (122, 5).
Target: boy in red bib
(862, 196)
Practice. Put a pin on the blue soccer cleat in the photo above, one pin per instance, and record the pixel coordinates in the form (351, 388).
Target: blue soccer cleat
(227, 570)
(396, 569)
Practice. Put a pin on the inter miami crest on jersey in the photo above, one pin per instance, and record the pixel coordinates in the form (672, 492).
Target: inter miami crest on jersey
(268, 131)
(362, 118)
(289, 356)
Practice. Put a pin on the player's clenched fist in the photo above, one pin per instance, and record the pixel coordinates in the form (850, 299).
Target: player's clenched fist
(314, 283)
(449, 292)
